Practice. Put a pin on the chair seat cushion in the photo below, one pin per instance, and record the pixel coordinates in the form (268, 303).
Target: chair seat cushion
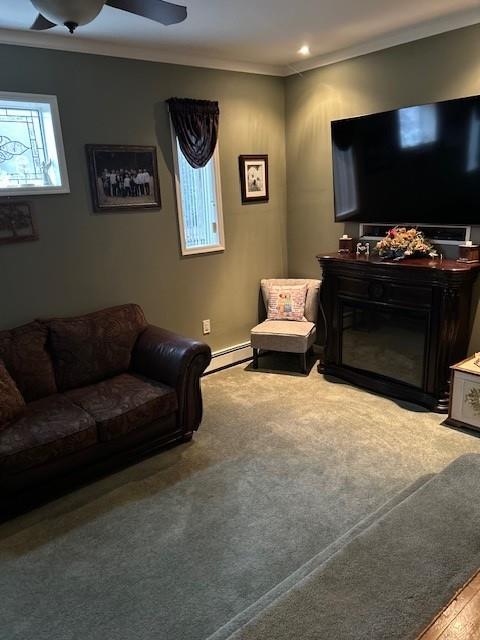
(48, 429)
(283, 335)
(124, 403)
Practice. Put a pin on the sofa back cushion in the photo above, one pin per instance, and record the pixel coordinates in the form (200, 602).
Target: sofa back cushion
(90, 348)
(11, 400)
(25, 355)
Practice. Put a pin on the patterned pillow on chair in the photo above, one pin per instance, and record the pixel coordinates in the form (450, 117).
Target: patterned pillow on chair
(287, 302)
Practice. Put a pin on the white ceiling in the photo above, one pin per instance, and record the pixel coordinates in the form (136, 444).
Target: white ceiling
(251, 35)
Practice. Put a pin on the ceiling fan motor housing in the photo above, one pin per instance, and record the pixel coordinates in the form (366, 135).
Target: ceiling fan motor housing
(71, 13)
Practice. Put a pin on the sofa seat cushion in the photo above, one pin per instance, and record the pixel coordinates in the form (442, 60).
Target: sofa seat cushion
(283, 335)
(48, 429)
(124, 403)
(24, 352)
(90, 348)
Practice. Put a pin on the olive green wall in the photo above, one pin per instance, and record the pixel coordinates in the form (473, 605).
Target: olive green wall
(85, 261)
(437, 68)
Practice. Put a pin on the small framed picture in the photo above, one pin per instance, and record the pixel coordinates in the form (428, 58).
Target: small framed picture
(16, 223)
(254, 178)
(123, 177)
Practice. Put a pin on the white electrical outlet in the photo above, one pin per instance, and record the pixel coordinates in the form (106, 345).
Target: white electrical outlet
(206, 327)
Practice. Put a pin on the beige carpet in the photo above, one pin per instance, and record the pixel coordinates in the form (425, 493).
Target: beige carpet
(174, 547)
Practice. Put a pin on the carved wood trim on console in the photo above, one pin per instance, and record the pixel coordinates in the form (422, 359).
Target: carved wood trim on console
(435, 293)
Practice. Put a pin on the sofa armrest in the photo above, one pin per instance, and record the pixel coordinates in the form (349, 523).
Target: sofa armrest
(177, 362)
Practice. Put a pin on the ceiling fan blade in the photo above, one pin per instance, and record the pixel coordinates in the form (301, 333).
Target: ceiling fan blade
(158, 10)
(41, 24)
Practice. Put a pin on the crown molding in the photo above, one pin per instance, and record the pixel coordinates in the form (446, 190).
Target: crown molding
(433, 27)
(402, 36)
(83, 45)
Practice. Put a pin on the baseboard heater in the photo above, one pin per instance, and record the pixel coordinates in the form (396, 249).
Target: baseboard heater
(229, 357)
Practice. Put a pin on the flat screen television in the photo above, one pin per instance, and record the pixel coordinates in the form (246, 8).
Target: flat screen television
(418, 164)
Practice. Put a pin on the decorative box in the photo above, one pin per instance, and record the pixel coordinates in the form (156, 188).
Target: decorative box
(464, 410)
(468, 252)
(345, 244)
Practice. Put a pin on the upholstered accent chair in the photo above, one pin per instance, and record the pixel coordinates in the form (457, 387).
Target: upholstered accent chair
(287, 335)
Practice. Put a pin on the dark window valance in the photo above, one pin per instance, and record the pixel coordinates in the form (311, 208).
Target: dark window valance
(196, 125)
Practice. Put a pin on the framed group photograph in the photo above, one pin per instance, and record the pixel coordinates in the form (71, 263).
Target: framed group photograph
(16, 223)
(123, 177)
(254, 178)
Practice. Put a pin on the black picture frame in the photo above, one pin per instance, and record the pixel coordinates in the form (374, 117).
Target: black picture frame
(248, 165)
(109, 168)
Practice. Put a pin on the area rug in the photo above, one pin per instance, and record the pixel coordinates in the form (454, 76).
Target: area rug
(175, 547)
(393, 577)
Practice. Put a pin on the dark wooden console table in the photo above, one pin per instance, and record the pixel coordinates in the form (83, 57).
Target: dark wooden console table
(396, 327)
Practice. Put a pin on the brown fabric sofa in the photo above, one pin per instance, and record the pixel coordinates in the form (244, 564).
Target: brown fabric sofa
(98, 389)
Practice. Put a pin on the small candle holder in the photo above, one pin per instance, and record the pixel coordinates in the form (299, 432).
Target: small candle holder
(363, 249)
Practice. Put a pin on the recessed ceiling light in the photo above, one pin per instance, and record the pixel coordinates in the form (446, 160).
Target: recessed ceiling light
(305, 50)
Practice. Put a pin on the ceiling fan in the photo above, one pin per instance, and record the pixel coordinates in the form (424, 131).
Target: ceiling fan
(74, 13)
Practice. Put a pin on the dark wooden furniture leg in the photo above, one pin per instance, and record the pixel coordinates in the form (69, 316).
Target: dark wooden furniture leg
(255, 358)
(303, 362)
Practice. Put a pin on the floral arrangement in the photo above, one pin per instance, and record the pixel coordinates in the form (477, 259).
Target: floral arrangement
(402, 243)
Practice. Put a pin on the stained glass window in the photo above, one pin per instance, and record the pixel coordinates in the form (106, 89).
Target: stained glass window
(31, 149)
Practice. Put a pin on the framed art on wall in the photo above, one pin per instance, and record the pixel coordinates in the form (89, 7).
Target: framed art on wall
(123, 177)
(254, 178)
(16, 223)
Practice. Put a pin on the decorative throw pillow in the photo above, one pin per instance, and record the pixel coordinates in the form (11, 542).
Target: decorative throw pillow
(25, 354)
(11, 400)
(287, 302)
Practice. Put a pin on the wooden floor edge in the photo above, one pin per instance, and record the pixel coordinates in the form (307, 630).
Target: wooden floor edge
(450, 602)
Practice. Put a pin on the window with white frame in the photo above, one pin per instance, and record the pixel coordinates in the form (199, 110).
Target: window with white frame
(32, 159)
(199, 204)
